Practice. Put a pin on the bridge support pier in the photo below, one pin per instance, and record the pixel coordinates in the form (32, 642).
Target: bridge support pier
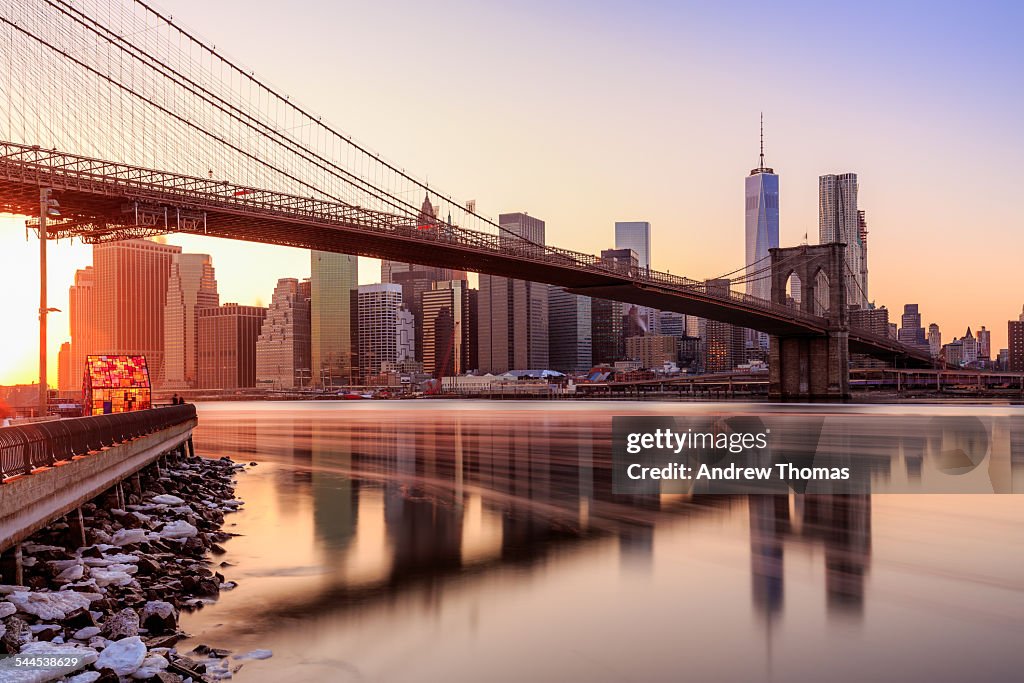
(809, 368)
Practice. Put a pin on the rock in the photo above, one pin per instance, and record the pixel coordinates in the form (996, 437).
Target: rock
(166, 677)
(87, 633)
(72, 658)
(16, 634)
(151, 666)
(110, 577)
(72, 573)
(85, 677)
(124, 624)
(219, 653)
(128, 537)
(80, 618)
(167, 499)
(7, 609)
(167, 641)
(256, 654)
(148, 566)
(46, 632)
(201, 649)
(92, 551)
(123, 657)
(178, 529)
(51, 606)
(159, 617)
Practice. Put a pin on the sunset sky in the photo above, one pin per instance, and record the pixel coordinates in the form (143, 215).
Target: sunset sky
(587, 113)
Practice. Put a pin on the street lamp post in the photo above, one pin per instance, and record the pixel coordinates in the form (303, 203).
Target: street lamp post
(47, 207)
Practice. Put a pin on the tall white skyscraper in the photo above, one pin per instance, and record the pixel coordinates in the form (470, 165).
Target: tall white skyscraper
(838, 221)
(762, 224)
(635, 235)
(385, 328)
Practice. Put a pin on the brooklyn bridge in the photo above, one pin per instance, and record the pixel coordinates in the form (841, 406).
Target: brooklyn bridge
(138, 128)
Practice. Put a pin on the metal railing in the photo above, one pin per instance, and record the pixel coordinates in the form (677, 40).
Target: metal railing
(24, 448)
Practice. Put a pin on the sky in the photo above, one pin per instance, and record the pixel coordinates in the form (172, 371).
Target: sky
(587, 113)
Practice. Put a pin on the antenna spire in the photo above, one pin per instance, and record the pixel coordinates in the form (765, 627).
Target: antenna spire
(762, 139)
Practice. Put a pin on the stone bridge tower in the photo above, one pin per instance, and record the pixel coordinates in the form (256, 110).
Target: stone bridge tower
(811, 367)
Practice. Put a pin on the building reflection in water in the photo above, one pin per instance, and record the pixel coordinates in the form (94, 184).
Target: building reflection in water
(444, 493)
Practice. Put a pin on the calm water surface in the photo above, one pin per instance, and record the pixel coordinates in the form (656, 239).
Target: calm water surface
(466, 541)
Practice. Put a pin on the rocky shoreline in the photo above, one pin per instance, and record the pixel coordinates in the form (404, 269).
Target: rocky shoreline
(108, 611)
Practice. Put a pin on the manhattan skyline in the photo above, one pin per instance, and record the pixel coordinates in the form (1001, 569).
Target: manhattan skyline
(930, 134)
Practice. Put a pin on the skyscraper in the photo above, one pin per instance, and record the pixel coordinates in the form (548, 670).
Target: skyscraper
(283, 346)
(513, 323)
(934, 340)
(723, 343)
(761, 228)
(608, 318)
(862, 231)
(130, 293)
(379, 308)
(570, 347)
(1016, 344)
(635, 235)
(227, 346)
(446, 329)
(911, 332)
(838, 221)
(82, 314)
(333, 278)
(191, 287)
(984, 344)
(65, 378)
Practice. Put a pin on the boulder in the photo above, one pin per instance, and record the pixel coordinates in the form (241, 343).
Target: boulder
(123, 657)
(124, 624)
(159, 617)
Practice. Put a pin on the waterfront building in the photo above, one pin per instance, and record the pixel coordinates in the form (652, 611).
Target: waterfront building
(385, 328)
(635, 235)
(1003, 360)
(130, 293)
(226, 351)
(934, 340)
(65, 375)
(653, 350)
(672, 324)
(970, 348)
(513, 321)
(570, 340)
(608, 318)
(333, 278)
(446, 329)
(911, 332)
(283, 353)
(839, 221)
(1015, 353)
(953, 353)
(984, 344)
(81, 319)
(723, 344)
(191, 287)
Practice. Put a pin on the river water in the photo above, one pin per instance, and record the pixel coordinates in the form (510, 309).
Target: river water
(481, 541)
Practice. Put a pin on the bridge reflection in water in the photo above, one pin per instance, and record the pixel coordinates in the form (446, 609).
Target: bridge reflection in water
(414, 541)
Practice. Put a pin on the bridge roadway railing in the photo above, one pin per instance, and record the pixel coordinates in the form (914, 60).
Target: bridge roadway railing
(32, 165)
(25, 448)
